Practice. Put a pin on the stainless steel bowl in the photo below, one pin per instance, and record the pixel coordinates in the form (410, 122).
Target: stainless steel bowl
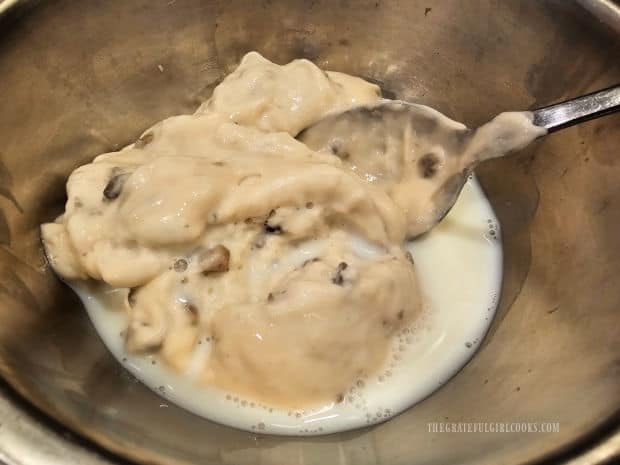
(81, 78)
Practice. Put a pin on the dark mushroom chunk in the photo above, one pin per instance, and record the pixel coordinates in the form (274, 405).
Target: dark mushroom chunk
(310, 260)
(115, 186)
(272, 228)
(132, 295)
(214, 260)
(192, 311)
(254, 220)
(427, 165)
(338, 278)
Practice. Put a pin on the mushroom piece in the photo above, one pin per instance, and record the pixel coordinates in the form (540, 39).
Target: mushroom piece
(114, 186)
(214, 260)
(338, 279)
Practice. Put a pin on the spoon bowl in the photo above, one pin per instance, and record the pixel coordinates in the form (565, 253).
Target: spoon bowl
(394, 140)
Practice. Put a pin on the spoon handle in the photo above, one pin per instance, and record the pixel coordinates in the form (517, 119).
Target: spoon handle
(570, 112)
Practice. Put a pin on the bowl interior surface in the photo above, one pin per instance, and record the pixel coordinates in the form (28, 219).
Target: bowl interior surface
(79, 79)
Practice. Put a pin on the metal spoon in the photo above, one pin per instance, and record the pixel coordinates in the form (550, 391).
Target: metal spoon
(396, 143)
